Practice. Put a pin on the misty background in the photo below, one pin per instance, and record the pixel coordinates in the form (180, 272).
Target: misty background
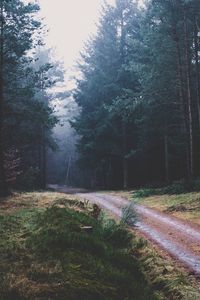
(68, 27)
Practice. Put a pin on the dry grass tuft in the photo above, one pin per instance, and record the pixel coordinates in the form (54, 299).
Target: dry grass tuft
(168, 280)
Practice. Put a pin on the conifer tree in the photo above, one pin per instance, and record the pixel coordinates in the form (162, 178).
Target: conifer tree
(108, 88)
(21, 112)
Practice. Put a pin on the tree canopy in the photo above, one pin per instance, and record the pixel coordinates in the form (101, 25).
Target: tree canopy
(139, 94)
(26, 117)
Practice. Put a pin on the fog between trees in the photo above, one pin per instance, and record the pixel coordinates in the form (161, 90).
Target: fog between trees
(136, 115)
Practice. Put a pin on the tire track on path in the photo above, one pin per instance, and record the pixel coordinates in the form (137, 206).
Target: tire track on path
(177, 238)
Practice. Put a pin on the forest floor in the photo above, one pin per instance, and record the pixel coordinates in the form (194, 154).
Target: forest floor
(36, 263)
(53, 246)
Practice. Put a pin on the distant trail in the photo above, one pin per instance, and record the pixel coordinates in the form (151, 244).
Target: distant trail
(177, 238)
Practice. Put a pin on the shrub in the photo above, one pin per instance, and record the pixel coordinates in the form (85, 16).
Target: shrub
(175, 188)
(172, 189)
(129, 215)
(146, 192)
(29, 180)
(196, 184)
(117, 235)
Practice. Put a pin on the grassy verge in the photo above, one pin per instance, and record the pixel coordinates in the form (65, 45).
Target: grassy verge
(168, 280)
(184, 205)
(53, 247)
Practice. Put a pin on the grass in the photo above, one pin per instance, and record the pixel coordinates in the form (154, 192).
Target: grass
(185, 206)
(177, 187)
(179, 199)
(46, 253)
(170, 200)
(167, 280)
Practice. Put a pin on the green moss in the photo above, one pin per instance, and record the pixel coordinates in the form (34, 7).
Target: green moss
(45, 254)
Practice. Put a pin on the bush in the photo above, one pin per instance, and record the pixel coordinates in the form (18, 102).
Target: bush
(29, 180)
(117, 235)
(146, 192)
(173, 189)
(196, 184)
(129, 215)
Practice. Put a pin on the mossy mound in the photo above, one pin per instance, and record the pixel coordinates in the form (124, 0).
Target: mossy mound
(48, 254)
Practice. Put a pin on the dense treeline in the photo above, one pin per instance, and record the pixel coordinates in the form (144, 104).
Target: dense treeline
(140, 95)
(25, 114)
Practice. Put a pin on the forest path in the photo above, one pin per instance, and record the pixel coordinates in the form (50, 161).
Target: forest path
(177, 238)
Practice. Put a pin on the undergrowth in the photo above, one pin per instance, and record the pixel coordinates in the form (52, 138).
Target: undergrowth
(172, 189)
(55, 247)
(168, 282)
(48, 253)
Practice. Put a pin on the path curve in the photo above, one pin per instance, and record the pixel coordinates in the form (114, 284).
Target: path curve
(177, 238)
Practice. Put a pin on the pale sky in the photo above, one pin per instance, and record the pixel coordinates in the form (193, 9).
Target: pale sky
(70, 24)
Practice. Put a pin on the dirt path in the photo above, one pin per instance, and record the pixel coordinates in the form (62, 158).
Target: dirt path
(65, 189)
(177, 238)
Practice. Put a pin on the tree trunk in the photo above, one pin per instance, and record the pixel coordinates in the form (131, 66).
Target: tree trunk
(125, 161)
(68, 171)
(182, 101)
(3, 183)
(189, 99)
(196, 49)
(166, 158)
(44, 167)
(43, 158)
(40, 160)
(124, 133)
(125, 173)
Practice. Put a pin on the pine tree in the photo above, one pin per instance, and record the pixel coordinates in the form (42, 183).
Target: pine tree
(107, 88)
(23, 114)
(16, 39)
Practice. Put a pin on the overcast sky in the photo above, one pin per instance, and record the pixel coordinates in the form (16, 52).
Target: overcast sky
(70, 22)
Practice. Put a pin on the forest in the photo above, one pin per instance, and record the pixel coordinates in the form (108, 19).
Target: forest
(26, 116)
(100, 164)
(140, 95)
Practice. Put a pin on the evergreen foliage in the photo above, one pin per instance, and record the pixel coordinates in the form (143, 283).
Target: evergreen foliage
(140, 94)
(26, 116)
